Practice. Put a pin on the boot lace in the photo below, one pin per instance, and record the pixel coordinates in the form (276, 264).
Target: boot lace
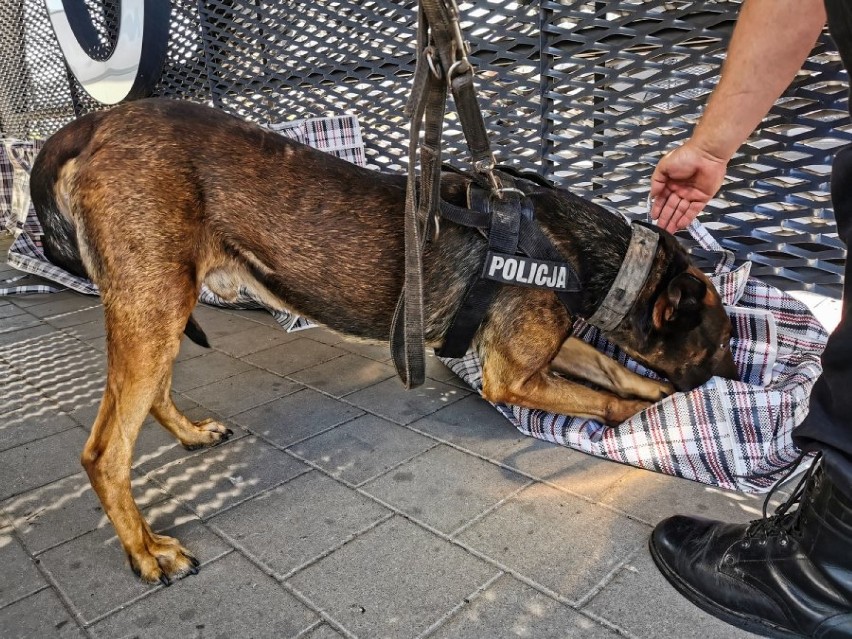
(784, 522)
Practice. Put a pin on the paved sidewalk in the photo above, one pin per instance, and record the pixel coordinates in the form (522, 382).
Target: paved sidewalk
(343, 506)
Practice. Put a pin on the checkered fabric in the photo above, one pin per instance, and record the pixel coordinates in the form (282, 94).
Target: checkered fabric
(339, 135)
(6, 179)
(731, 434)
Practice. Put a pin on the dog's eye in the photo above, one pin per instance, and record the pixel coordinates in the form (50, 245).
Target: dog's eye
(723, 346)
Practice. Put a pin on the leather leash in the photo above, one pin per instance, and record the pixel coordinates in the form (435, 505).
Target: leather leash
(442, 65)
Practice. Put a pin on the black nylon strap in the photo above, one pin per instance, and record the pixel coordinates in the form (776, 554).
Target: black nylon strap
(505, 226)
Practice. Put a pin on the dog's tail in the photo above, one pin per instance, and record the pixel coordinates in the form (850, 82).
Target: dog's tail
(60, 241)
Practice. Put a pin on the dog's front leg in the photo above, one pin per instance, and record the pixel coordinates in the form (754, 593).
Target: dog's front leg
(578, 359)
(517, 345)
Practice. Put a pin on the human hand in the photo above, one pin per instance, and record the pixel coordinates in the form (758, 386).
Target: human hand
(683, 182)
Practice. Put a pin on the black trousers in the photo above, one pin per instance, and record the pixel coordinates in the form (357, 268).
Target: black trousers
(828, 426)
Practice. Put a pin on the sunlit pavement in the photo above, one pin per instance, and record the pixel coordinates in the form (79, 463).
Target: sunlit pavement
(343, 506)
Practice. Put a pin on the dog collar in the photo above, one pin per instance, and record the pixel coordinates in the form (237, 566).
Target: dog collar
(630, 280)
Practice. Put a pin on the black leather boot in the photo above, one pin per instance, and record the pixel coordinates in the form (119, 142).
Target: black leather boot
(788, 575)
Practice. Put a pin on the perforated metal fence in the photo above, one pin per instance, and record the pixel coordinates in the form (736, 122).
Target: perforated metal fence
(588, 93)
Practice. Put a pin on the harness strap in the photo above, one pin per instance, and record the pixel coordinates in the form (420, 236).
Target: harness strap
(504, 229)
(509, 218)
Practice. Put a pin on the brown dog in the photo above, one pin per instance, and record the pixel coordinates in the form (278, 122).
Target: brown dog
(155, 197)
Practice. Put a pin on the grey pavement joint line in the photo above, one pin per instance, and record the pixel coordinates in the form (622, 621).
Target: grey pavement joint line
(157, 588)
(67, 313)
(526, 474)
(595, 590)
(57, 590)
(476, 518)
(574, 604)
(284, 576)
(32, 592)
(298, 441)
(395, 466)
(307, 631)
(466, 601)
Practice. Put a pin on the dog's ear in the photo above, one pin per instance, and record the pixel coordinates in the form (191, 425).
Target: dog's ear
(679, 306)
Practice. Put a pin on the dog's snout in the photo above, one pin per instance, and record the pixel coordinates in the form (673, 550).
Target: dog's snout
(726, 367)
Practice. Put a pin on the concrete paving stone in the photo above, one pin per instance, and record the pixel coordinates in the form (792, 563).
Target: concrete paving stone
(510, 608)
(475, 425)
(562, 542)
(52, 354)
(257, 338)
(322, 334)
(293, 356)
(228, 598)
(40, 462)
(651, 497)
(561, 466)
(156, 447)
(9, 310)
(298, 521)
(641, 601)
(344, 375)
(97, 343)
(241, 392)
(437, 370)
(218, 324)
(60, 315)
(93, 573)
(390, 399)
(20, 575)
(87, 331)
(39, 616)
(38, 418)
(362, 448)
(205, 369)
(36, 299)
(227, 474)
(377, 351)
(15, 392)
(395, 580)
(61, 304)
(15, 323)
(75, 394)
(323, 632)
(20, 339)
(445, 488)
(189, 350)
(67, 508)
(290, 419)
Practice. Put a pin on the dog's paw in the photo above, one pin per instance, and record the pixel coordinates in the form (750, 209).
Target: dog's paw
(208, 432)
(621, 410)
(162, 560)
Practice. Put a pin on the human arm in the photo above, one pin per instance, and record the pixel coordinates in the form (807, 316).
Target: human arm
(771, 41)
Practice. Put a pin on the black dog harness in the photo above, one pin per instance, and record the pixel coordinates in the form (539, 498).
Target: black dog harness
(520, 254)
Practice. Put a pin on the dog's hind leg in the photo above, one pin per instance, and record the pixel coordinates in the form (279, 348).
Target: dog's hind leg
(578, 359)
(191, 435)
(143, 336)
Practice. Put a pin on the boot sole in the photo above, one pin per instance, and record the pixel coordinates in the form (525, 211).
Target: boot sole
(754, 625)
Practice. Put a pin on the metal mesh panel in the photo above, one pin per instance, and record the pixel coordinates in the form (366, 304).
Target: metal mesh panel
(589, 93)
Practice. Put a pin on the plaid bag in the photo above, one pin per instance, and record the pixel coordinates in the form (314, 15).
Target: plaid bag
(338, 135)
(726, 433)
